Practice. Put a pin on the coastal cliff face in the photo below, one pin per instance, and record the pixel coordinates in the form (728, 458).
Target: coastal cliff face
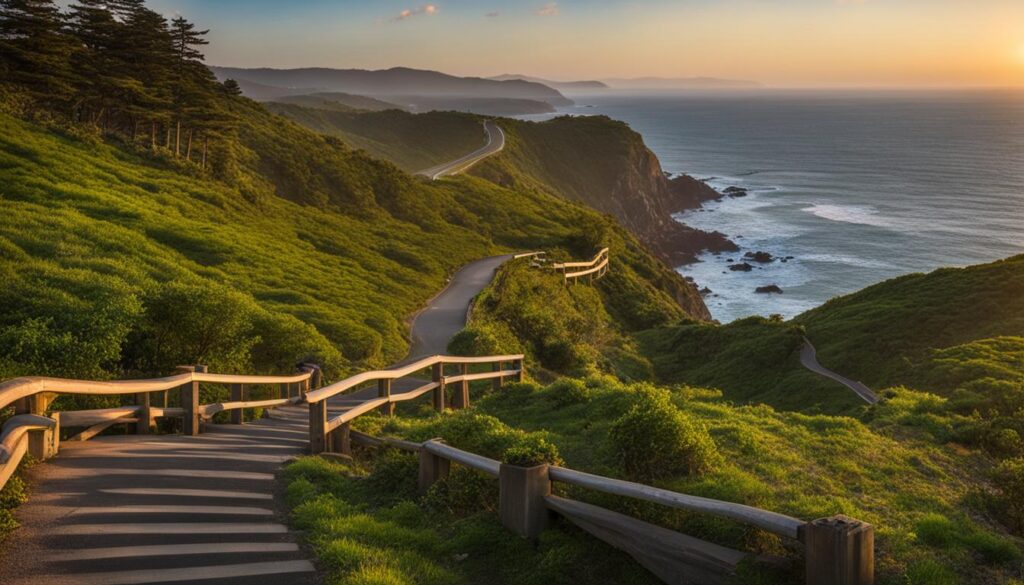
(605, 165)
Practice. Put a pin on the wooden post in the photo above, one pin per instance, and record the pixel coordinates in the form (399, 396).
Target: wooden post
(432, 469)
(461, 398)
(190, 401)
(519, 365)
(142, 399)
(521, 499)
(237, 414)
(341, 439)
(496, 382)
(384, 391)
(317, 427)
(437, 373)
(43, 444)
(839, 551)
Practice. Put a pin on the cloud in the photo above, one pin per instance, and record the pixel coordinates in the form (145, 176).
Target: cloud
(425, 9)
(494, 14)
(549, 9)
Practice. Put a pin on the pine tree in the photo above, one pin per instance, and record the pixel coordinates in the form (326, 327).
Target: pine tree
(231, 87)
(34, 52)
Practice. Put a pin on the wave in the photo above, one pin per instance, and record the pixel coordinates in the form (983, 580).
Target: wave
(858, 214)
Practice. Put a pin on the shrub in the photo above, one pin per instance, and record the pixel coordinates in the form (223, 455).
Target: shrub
(568, 391)
(531, 452)
(655, 439)
(483, 339)
(1008, 478)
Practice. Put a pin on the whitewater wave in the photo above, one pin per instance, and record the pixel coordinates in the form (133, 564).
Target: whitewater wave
(858, 214)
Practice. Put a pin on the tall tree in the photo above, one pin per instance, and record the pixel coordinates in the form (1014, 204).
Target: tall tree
(34, 52)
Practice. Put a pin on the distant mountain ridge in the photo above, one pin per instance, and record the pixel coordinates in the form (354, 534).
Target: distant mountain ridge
(680, 83)
(386, 83)
(560, 85)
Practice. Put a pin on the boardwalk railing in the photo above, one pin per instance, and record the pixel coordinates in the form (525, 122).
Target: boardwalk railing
(594, 268)
(837, 550)
(333, 433)
(29, 431)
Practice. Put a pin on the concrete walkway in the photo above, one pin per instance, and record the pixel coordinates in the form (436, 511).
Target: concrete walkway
(173, 509)
(809, 359)
(495, 144)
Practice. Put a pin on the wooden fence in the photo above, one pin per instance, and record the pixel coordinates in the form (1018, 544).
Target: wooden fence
(29, 431)
(333, 433)
(593, 269)
(837, 550)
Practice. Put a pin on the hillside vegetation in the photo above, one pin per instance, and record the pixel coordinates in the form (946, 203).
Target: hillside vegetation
(414, 142)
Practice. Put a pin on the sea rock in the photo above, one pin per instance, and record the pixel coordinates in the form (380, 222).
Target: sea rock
(735, 191)
(729, 260)
(705, 291)
(741, 267)
(769, 289)
(759, 256)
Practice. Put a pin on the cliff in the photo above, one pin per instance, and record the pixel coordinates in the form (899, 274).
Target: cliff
(605, 165)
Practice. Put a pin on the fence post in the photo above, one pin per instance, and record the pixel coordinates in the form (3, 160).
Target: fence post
(341, 439)
(384, 391)
(237, 414)
(190, 401)
(521, 499)
(142, 399)
(432, 469)
(317, 427)
(521, 366)
(461, 398)
(43, 444)
(437, 373)
(496, 382)
(839, 551)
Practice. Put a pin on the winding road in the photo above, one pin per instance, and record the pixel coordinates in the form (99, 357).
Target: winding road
(495, 143)
(809, 360)
(191, 510)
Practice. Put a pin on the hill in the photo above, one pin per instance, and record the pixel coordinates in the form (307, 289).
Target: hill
(344, 102)
(559, 85)
(398, 81)
(604, 164)
(411, 141)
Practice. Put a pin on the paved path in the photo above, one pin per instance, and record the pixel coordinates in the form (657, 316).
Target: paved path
(172, 509)
(809, 359)
(495, 143)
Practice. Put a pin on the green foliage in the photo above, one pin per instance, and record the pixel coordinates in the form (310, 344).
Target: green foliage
(655, 440)
(13, 494)
(532, 452)
(1008, 478)
(414, 142)
(480, 339)
(568, 391)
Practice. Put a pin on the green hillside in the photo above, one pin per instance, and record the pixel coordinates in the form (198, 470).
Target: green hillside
(412, 141)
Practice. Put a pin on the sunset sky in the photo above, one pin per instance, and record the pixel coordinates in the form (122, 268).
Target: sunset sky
(776, 42)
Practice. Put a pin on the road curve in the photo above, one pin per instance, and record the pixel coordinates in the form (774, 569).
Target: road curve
(495, 143)
(192, 510)
(809, 360)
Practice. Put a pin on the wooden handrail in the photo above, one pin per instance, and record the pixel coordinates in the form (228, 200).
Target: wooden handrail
(597, 268)
(771, 521)
(401, 372)
(588, 264)
(18, 388)
(472, 460)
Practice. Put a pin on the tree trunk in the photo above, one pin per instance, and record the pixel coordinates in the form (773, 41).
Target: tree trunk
(177, 140)
(206, 142)
(167, 141)
(188, 149)
(152, 134)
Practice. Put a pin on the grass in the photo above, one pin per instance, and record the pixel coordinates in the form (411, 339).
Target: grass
(931, 503)
(414, 142)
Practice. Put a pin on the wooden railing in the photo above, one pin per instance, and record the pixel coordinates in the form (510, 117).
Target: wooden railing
(29, 431)
(837, 550)
(333, 434)
(594, 268)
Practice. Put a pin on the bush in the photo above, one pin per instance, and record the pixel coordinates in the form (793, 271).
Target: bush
(531, 452)
(654, 439)
(568, 391)
(1008, 478)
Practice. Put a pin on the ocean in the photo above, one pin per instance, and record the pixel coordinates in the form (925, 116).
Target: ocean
(858, 187)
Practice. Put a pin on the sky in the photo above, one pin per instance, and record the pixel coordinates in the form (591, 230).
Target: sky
(784, 43)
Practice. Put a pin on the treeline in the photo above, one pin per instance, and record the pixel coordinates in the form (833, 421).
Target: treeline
(119, 68)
